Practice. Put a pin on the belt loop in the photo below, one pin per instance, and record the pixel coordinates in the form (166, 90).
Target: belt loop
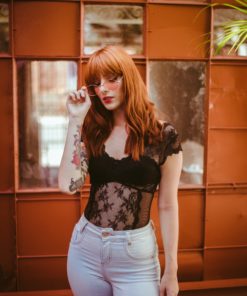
(82, 224)
(128, 238)
(153, 225)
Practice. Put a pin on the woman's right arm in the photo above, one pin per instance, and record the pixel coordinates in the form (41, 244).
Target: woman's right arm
(74, 163)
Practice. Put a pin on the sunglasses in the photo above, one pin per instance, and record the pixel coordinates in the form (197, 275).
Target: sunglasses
(110, 84)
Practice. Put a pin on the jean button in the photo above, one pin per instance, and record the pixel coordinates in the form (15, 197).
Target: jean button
(105, 234)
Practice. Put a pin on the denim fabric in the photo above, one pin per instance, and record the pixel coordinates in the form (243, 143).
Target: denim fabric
(104, 262)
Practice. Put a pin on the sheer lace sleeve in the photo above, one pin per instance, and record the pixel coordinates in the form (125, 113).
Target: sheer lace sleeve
(171, 142)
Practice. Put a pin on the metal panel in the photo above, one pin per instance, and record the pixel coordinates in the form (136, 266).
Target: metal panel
(7, 243)
(226, 218)
(176, 39)
(142, 69)
(190, 266)
(43, 274)
(44, 225)
(191, 211)
(225, 1)
(228, 93)
(227, 161)
(54, 29)
(119, 1)
(6, 126)
(225, 263)
(191, 220)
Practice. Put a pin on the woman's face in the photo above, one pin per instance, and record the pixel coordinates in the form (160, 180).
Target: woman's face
(109, 91)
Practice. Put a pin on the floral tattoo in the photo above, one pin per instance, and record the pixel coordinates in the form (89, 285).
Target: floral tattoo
(76, 153)
(80, 159)
(75, 184)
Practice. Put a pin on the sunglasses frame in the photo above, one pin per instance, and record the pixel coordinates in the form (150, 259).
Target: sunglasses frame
(94, 85)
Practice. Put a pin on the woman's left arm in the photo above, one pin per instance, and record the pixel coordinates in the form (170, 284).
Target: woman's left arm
(169, 221)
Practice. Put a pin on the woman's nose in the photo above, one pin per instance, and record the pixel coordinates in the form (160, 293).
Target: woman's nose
(102, 87)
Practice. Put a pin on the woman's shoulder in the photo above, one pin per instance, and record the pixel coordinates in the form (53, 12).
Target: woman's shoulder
(168, 130)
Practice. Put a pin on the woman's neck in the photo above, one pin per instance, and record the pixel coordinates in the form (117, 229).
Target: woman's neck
(119, 118)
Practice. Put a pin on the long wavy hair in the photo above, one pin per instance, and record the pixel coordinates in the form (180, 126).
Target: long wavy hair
(143, 124)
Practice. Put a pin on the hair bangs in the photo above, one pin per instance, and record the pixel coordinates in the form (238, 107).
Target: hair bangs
(100, 65)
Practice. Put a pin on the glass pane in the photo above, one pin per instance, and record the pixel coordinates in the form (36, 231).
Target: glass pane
(178, 89)
(42, 91)
(224, 16)
(4, 28)
(113, 24)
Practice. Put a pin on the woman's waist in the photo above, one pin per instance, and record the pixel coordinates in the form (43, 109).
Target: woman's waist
(109, 232)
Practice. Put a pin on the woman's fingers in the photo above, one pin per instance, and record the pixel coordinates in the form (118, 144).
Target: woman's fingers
(86, 95)
(75, 96)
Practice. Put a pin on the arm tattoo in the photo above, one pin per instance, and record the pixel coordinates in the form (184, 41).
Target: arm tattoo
(74, 185)
(80, 159)
(76, 153)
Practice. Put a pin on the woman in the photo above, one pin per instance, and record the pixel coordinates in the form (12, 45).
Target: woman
(128, 153)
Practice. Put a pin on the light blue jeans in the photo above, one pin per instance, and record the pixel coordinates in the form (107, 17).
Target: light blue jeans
(104, 262)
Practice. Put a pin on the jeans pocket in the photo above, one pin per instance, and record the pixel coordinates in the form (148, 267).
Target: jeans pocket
(141, 248)
(78, 234)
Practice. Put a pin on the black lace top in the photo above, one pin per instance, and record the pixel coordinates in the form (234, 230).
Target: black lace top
(122, 190)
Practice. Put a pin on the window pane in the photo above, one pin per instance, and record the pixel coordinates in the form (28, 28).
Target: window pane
(113, 24)
(42, 91)
(4, 28)
(178, 89)
(223, 16)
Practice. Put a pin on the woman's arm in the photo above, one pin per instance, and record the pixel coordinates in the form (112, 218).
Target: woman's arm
(168, 216)
(74, 163)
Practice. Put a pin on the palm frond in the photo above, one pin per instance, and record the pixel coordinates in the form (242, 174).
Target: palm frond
(243, 3)
(241, 41)
(236, 7)
(236, 29)
(236, 42)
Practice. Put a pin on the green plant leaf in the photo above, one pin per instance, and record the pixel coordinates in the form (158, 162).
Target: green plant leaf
(241, 41)
(236, 7)
(223, 42)
(235, 43)
(242, 3)
(204, 8)
(230, 28)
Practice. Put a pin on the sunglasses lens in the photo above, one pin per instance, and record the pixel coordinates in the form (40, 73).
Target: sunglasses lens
(91, 91)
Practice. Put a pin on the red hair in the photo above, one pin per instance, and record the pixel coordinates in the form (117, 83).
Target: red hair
(143, 125)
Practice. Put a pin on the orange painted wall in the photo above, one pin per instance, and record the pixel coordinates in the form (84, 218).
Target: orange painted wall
(35, 225)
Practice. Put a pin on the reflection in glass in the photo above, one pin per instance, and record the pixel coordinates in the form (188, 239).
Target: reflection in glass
(4, 28)
(42, 92)
(222, 16)
(113, 24)
(177, 89)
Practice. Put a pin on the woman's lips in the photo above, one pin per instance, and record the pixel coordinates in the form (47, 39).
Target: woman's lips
(107, 100)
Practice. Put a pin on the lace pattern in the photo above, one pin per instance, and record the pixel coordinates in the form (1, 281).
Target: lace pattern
(122, 190)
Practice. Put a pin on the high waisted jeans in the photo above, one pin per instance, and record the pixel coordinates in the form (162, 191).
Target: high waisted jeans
(104, 262)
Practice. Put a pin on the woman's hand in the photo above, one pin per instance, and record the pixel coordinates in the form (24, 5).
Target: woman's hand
(169, 285)
(78, 103)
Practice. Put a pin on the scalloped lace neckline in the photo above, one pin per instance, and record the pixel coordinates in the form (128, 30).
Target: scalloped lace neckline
(113, 158)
